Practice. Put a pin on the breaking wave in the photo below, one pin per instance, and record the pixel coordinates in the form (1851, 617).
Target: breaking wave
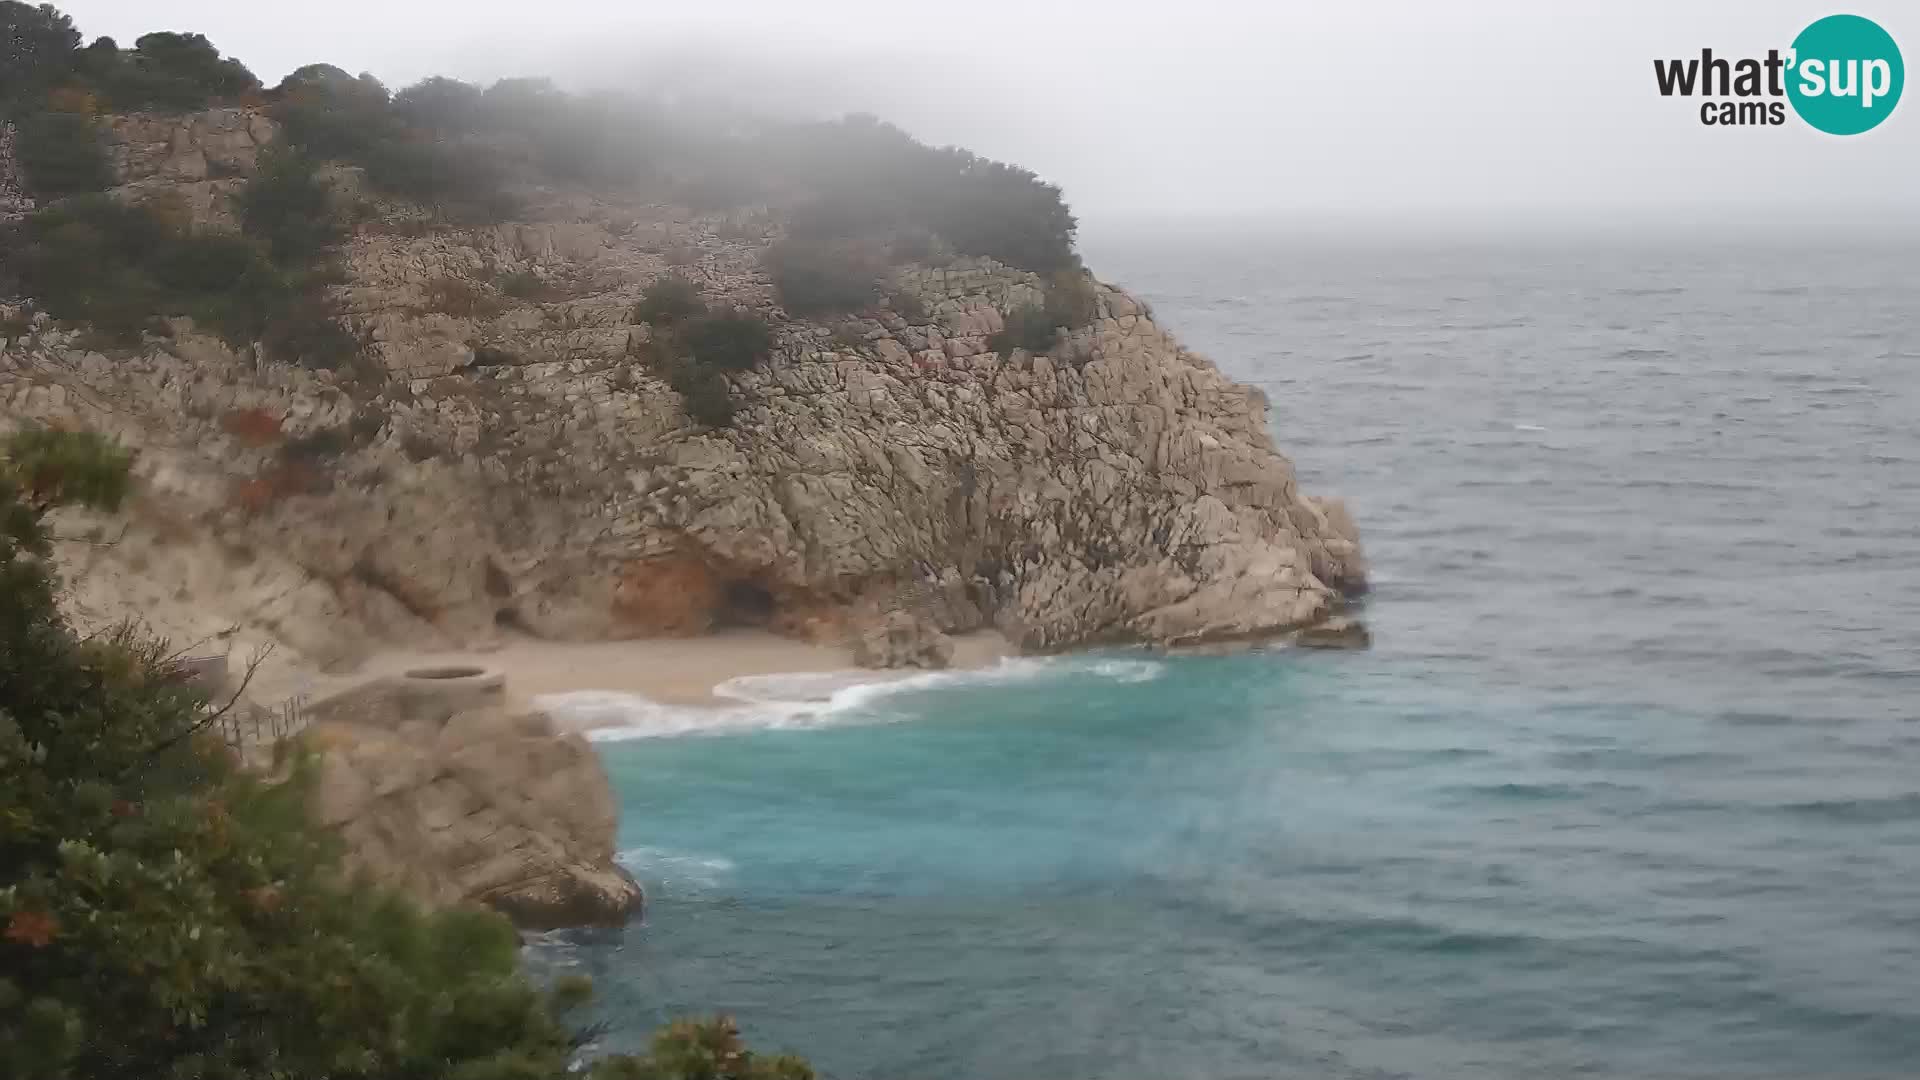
(803, 700)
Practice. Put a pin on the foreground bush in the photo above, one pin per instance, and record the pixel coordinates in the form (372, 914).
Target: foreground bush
(289, 209)
(117, 267)
(165, 915)
(729, 340)
(1068, 304)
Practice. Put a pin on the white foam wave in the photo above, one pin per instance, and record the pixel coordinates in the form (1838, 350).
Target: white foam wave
(804, 699)
(661, 866)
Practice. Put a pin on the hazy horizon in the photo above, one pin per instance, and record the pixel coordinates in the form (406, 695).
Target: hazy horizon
(1374, 113)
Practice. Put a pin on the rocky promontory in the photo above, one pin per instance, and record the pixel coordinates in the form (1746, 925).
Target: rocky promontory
(506, 459)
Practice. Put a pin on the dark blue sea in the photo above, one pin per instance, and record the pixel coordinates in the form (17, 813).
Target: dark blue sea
(1629, 785)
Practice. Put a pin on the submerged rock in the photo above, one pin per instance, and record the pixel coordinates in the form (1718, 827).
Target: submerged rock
(1339, 632)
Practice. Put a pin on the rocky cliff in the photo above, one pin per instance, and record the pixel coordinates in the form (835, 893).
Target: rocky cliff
(507, 460)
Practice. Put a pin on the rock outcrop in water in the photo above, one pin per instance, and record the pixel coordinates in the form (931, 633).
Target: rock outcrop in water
(509, 463)
(439, 790)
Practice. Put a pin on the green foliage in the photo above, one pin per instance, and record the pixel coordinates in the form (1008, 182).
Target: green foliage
(307, 331)
(702, 1050)
(1028, 327)
(729, 340)
(330, 115)
(99, 261)
(166, 915)
(289, 209)
(61, 155)
(1070, 300)
(462, 298)
(443, 143)
(525, 285)
(39, 51)
(168, 72)
(1068, 304)
(907, 306)
(43, 468)
(116, 267)
(404, 146)
(318, 446)
(874, 179)
(37, 47)
(440, 105)
(704, 391)
(669, 300)
(813, 275)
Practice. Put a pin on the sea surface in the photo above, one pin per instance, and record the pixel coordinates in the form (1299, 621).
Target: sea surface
(1629, 785)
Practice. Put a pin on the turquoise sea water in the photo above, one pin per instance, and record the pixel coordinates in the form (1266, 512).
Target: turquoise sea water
(1628, 787)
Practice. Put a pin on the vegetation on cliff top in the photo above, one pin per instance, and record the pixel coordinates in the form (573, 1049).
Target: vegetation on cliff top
(442, 141)
(858, 195)
(165, 914)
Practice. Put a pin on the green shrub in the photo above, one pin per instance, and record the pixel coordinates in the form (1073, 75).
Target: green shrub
(705, 393)
(462, 299)
(669, 300)
(524, 285)
(1029, 328)
(289, 209)
(329, 114)
(61, 155)
(1070, 300)
(440, 105)
(38, 48)
(911, 245)
(1068, 304)
(814, 277)
(495, 356)
(907, 306)
(307, 331)
(318, 446)
(729, 340)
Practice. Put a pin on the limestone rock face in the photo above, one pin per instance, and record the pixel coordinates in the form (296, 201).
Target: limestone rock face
(521, 465)
(438, 790)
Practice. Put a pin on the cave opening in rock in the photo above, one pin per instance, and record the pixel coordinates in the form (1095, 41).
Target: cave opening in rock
(508, 618)
(744, 603)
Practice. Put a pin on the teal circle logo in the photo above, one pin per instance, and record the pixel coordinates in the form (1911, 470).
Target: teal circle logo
(1846, 75)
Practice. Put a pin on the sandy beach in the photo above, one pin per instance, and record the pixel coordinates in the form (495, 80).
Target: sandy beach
(674, 671)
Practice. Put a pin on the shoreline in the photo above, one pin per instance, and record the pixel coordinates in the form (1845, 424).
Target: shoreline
(668, 671)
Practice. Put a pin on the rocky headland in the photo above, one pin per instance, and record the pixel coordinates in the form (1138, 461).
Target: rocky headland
(507, 457)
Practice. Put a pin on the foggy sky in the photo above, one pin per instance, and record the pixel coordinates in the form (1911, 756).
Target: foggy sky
(1357, 110)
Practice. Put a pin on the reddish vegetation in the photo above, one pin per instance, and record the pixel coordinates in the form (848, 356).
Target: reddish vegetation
(276, 482)
(253, 427)
(252, 495)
